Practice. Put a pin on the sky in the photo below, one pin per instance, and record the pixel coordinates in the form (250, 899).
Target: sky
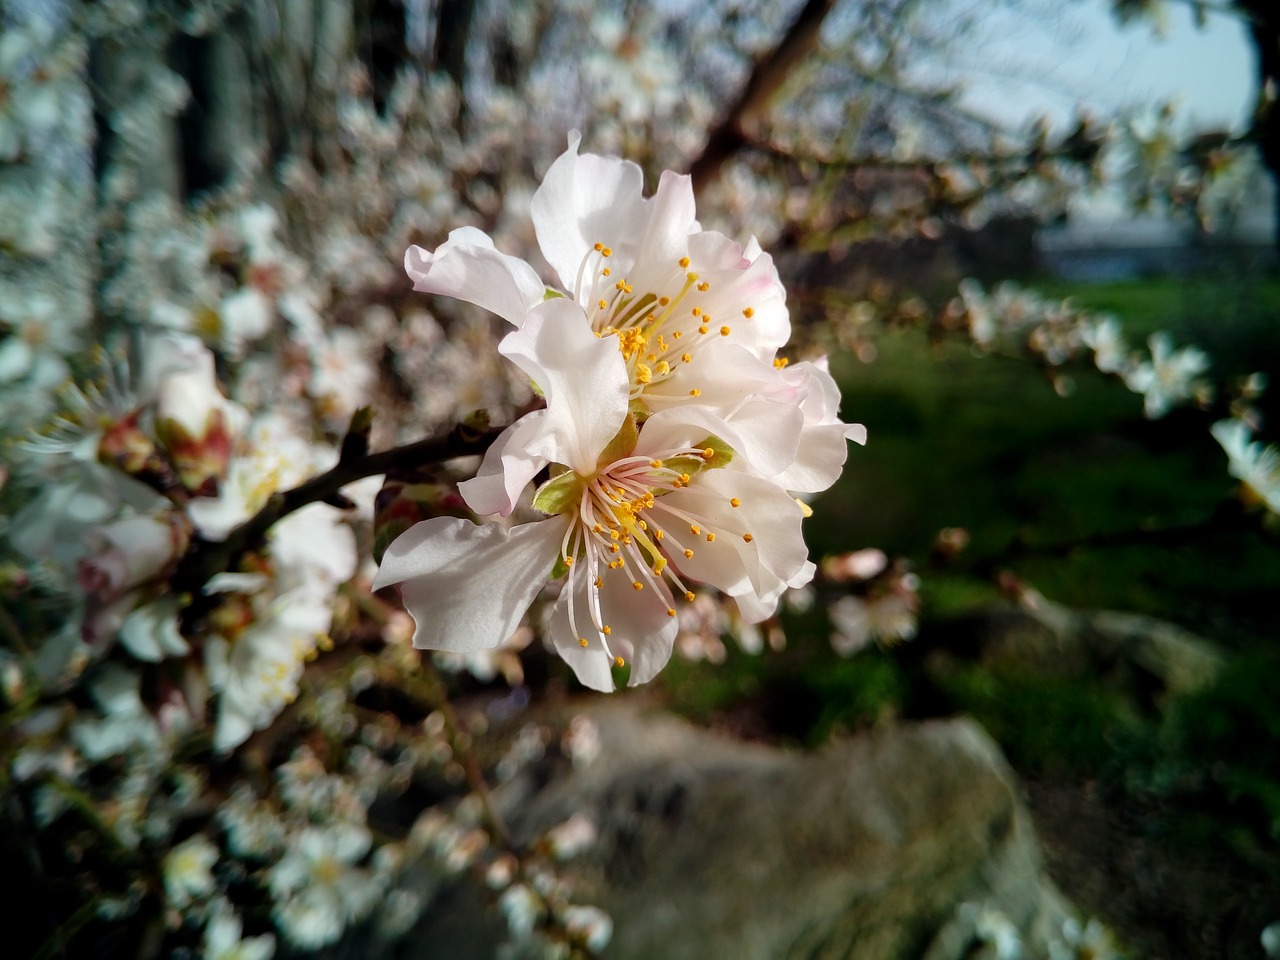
(1075, 53)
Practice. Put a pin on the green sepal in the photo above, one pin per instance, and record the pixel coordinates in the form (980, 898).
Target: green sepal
(721, 457)
(560, 494)
(623, 442)
(549, 294)
(559, 569)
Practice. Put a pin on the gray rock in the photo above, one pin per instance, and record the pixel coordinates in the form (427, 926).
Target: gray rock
(710, 847)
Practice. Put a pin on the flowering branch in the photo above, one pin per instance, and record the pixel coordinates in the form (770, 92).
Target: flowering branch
(205, 558)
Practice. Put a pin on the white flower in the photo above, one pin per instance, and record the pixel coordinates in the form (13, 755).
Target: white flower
(591, 924)
(1257, 467)
(317, 890)
(1102, 336)
(1168, 378)
(630, 510)
(188, 871)
(256, 672)
(223, 940)
(695, 313)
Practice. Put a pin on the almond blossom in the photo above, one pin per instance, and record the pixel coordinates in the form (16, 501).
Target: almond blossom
(633, 510)
(695, 314)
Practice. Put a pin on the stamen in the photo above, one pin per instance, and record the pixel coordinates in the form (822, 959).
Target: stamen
(748, 313)
(747, 537)
(735, 502)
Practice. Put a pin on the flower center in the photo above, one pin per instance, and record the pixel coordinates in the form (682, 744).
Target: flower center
(623, 534)
(657, 329)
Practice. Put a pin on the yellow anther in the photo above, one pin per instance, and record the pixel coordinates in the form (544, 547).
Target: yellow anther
(597, 529)
(735, 502)
(659, 534)
(704, 286)
(688, 595)
(686, 358)
(747, 537)
(697, 311)
(637, 585)
(696, 530)
(643, 373)
(582, 642)
(678, 334)
(568, 561)
(703, 329)
(688, 554)
(684, 478)
(684, 263)
(642, 525)
(725, 331)
(695, 392)
(599, 582)
(671, 611)
(655, 464)
(605, 272)
(606, 629)
(711, 538)
(708, 454)
(602, 303)
(780, 362)
(614, 548)
(619, 662)
(662, 368)
(748, 313)
(599, 247)
(659, 566)
(606, 251)
(664, 301)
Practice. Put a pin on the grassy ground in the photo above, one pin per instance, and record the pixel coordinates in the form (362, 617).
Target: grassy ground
(1190, 790)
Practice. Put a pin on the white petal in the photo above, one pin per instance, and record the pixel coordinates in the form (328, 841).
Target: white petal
(583, 377)
(507, 468)
(764, 433)
(642, 632)
(774, 556)
(584, 200)
(468, 266)
(468, 585)
(671, 216)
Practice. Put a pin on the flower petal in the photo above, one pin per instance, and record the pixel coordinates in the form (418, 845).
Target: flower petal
(468, 266)
(584, 200)
(642, 632)
(468, 585)
(583, 377)
(507, 468)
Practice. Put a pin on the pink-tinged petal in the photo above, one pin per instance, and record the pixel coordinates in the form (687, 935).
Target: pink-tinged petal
(753, 285)
(585, 200)
(823, 442)
(507, 467)
(468, 585)
(642, 632)
(672, 218)
(583, 377)
(468, 266)
(763, 433)
(776, 551)
(725, 374)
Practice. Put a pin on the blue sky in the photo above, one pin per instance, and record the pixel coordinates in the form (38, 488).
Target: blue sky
(1022, 64)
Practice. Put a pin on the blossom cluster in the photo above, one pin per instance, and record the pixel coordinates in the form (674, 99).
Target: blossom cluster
(674, 437)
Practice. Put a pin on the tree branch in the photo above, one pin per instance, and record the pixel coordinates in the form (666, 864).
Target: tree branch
(205, 558)
(765, 81)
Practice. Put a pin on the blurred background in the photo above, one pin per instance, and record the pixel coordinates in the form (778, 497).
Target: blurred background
(1000, 220)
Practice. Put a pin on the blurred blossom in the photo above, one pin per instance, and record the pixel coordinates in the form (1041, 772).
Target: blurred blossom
(1168, 378)
(572, 837)
(223, 938)
(188, 871)
(1255, 466)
